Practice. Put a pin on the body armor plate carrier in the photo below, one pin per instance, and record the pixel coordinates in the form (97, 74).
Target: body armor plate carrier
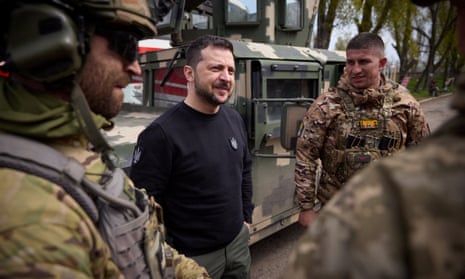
(132, 228)
(363, 136)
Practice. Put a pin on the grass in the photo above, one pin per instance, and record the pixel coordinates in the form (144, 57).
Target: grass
(421, 94)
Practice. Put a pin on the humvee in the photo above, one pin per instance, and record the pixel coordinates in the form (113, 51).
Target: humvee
(277, 78)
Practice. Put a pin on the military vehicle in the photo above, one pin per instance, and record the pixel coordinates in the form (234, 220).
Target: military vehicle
(277, 78)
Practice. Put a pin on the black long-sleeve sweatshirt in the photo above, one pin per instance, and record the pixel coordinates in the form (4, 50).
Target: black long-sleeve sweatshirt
(198, 167)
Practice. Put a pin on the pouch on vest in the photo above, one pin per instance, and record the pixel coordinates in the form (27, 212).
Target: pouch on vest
(356, 159)
(126, 225)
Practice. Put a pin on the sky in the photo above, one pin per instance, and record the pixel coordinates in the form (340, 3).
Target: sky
(351, 30)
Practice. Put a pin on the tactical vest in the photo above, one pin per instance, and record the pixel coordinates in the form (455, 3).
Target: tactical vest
(128, 221)
(362, 136)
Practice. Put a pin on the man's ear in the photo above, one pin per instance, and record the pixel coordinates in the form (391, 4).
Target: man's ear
(189, 73)
(382, 63)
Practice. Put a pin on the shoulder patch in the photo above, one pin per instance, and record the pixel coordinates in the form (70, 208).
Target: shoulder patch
(233, 143)
(136, 154)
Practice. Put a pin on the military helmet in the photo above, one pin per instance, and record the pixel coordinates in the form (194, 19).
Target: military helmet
(48, 40)
(141, 15)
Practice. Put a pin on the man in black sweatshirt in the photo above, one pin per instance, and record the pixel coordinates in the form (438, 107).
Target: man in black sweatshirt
(195, 161)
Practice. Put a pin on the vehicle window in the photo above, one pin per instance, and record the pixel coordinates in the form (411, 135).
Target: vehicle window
(200, 21)
(290, 15)
(286, 88)
(241, 11)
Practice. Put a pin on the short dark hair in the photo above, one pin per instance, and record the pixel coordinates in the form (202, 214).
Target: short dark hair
(366, 40)
(193, 55)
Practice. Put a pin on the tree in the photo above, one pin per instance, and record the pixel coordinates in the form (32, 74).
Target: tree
(325, 21)
(341, 13)
(454, 62)
(374, 14)
(437, 41)
(342, 42)
(423, 37)
(401, 29)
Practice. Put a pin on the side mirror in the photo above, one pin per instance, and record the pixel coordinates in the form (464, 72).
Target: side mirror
(291, 120)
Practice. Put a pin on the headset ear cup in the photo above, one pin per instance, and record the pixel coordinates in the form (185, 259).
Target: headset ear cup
(4, 23)
(48, 47)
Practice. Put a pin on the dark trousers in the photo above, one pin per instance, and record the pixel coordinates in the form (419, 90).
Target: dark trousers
(232, 261)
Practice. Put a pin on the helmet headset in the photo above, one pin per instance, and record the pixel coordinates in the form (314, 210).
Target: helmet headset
(54, 36)
(47, 41)
(51, 50)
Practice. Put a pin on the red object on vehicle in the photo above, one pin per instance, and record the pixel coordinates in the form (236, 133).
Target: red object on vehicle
(3, 74)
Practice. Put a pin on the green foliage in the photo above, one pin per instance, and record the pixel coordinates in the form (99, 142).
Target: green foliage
(422, 94)
(419, 94)
(342, 42)
(424, 38)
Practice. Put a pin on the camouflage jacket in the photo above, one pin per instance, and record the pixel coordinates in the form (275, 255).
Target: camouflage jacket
(345, 129)
(43, 231)
(402, 217)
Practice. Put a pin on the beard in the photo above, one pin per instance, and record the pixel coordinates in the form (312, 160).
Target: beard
(98, 85)
(209, 96)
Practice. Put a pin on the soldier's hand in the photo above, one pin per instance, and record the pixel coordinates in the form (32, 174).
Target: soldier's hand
(306, 217)
(187, 268)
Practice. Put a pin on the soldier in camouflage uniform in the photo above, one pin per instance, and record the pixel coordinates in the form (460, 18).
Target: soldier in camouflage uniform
(44, 232)
(402, 217)
(364, 118)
